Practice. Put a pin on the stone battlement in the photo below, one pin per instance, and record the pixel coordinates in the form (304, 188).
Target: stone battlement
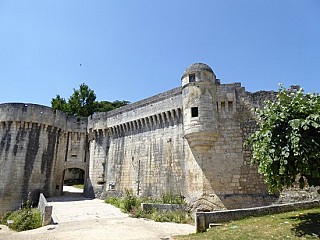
(33, 113)
(186, 141)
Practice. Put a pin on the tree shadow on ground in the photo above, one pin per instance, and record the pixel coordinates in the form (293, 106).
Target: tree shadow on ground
(309, 225)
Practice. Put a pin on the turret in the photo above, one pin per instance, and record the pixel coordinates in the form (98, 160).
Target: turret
(199, 107)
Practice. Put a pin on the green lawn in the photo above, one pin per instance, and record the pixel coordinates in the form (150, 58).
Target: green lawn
(80, 186)
(304, 224)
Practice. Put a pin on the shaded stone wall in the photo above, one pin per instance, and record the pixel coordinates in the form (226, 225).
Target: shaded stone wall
(33, 152)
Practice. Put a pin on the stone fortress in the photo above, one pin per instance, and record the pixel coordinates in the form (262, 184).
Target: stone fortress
(186, 141)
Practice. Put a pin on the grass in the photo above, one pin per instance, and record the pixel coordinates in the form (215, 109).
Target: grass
(132, 205)
(80, 186)
(303, 224)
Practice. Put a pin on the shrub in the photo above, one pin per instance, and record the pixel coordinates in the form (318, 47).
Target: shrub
(131, 204)
(166, 216)
(24, 219)
(174, 216)
(113, 201)
(126, 204)
(169, 198)
(130, 201)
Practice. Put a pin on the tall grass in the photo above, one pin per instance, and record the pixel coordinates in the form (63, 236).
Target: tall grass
(132, 205)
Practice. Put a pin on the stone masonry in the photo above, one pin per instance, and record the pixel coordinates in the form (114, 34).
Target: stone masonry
(186, 141)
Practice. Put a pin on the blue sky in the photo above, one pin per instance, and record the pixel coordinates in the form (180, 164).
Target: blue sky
(133, 49)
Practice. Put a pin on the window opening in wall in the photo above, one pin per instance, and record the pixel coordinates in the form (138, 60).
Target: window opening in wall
(194, 112)
(217, 106)
(112, 186)
(230, 106)
(223, 106)
(192, 77)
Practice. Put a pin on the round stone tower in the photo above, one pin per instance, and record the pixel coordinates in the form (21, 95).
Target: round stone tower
(199, 107)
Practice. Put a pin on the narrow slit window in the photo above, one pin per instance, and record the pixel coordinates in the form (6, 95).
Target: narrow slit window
(194, 112)
(230, 106)
(192, 77)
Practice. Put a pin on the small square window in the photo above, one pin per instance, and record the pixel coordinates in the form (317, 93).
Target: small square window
(194, 112)
(112, 186)
(192, 77)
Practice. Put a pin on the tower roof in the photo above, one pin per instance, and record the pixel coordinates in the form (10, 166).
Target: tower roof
(197, 67)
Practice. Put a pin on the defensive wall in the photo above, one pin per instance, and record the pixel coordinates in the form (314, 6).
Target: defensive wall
(156, 146)
(187, 141)
(37, 145)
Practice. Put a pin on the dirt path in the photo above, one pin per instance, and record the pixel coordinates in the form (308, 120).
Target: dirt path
(79, 218)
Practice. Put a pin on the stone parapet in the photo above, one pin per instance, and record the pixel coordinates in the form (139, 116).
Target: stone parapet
(41, 115)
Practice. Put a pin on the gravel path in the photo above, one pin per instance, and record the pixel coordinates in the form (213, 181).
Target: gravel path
(80, 218)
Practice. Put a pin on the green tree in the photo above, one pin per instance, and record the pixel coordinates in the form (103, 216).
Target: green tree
(59, 103)
(287, 144)
(105, 106)
(117, 103)
(82, 103)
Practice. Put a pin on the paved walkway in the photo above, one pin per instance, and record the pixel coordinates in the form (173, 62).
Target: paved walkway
(79, 218)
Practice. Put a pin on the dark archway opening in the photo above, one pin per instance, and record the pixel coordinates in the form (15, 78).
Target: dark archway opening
(73, 181)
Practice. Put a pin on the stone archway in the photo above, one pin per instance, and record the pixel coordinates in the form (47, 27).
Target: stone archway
(73, 176)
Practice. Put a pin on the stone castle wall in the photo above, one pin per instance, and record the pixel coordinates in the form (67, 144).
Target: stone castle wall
(34, 151)
(187, 141)
(139, 146)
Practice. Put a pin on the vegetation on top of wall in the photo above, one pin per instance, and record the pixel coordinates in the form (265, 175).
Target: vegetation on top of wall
(132, 205)
(26, 218)
(286, 146)
(82, 103)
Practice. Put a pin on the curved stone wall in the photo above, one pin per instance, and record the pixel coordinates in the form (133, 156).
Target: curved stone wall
(36, 144)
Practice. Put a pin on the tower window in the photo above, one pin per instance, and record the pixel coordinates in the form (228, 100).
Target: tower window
(192, 77)
(194, 112)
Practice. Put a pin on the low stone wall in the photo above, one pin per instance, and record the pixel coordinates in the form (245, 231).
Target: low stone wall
(203, 219)
(45, 209)
(162, 207)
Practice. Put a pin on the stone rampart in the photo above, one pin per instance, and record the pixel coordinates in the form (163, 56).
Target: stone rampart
(132, 113)
(35, 145)
(147, 158)
(33, 113)
(146, 102)
(187, 141)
